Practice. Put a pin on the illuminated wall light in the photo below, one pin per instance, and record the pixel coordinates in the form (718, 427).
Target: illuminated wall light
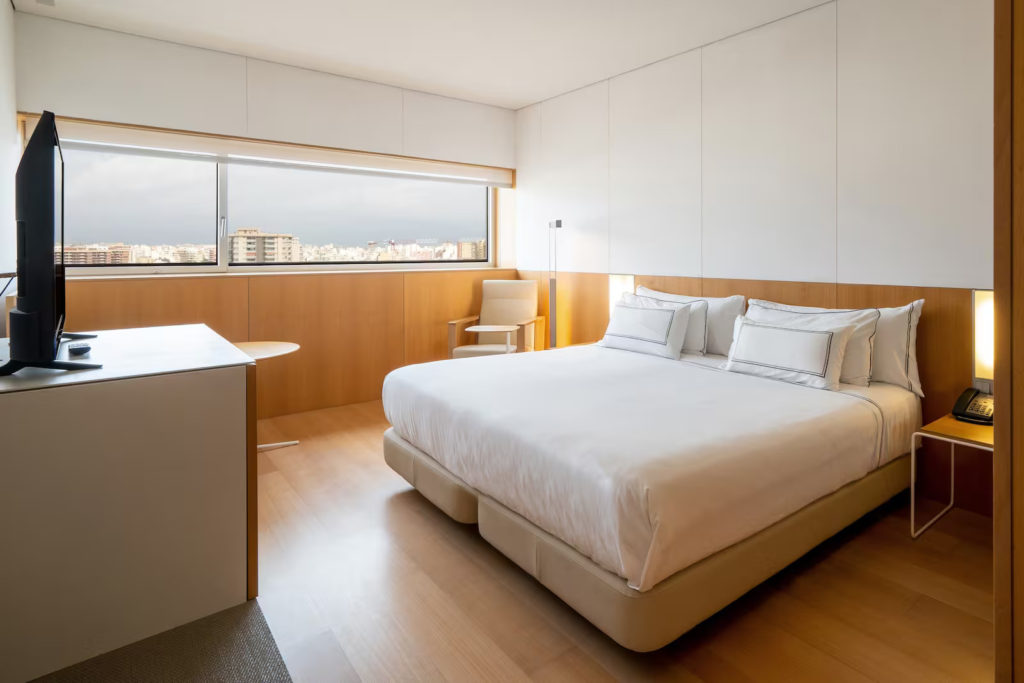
(617, 286)
(984, 337)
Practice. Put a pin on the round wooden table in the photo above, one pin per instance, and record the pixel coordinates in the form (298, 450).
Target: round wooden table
(261, 350)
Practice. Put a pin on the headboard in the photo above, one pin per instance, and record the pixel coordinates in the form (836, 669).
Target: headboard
(944, 345)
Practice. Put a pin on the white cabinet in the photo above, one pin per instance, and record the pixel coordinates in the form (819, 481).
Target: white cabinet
(123, 495)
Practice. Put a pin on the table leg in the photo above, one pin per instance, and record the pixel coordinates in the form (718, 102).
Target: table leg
(914, 532)
(271, 446)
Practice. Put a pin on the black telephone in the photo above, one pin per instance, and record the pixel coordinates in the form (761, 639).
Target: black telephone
(974, 406)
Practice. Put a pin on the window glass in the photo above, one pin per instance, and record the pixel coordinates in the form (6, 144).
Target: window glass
(286, 214)
(131, 208)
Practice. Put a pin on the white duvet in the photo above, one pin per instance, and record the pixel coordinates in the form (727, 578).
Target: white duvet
(643, 464)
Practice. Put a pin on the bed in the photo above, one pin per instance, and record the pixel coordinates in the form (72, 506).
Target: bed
(646, 493)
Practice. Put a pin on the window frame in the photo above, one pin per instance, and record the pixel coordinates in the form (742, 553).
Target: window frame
(226, 150)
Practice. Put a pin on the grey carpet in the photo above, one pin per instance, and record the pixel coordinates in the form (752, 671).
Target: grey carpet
(233, 645)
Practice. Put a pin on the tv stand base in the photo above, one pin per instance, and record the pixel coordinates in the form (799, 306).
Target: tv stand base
(12, 366)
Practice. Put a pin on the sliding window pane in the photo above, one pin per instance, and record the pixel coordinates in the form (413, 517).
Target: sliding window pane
(131, 208)
(285, 214)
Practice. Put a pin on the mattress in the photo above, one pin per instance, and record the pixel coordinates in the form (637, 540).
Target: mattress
(642, 464)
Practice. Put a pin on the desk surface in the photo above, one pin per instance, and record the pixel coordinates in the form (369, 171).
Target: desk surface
(950, 427)
(134, 352)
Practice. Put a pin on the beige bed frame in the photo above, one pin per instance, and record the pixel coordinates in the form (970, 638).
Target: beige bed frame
(652, 619)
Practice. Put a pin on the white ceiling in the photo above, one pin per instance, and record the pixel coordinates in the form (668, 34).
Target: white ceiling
(509, 53)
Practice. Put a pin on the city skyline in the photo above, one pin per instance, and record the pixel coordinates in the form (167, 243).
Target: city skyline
(254, 245)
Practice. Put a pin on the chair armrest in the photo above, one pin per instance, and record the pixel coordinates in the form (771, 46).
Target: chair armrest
(455, 328)
(537, 322)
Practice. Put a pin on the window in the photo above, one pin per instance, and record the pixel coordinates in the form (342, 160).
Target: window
(127, 208)
(156, 201)
(289, 214)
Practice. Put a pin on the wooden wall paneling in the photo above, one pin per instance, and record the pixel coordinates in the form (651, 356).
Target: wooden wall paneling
(944, 358)
(543, 304)
(350, 327)
(582, 307)
(1008, 514)
(222, 302)
(944, 344)
(434, 298)
(821, 294)
(251, 486)
(582, 304)
(1009, 67)
(672, 284)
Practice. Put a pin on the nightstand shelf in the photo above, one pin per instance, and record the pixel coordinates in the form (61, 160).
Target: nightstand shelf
(955, 433)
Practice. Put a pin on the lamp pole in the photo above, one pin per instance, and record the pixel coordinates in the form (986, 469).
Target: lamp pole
(553, 227)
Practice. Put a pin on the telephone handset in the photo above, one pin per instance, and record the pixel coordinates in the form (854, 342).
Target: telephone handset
(974, 406)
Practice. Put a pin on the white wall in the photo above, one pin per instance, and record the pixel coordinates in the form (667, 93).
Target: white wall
(769, 151)
(655, 179)
(8, 144)
(851, 143)
(80, 71)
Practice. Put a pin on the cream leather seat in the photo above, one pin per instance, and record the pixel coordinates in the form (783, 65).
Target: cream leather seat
(505, 302)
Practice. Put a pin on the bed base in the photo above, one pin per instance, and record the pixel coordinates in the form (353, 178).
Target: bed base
(649, 620)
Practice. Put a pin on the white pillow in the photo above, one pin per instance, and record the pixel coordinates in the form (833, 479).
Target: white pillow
(857, 361)
(721, 314)
(895, 356)
(696, 328)
(648, 326)
(801, 352)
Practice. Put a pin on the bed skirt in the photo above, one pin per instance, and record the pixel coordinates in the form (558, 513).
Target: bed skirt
(652, 619)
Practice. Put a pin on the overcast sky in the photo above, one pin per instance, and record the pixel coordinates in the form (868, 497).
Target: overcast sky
(146, 200)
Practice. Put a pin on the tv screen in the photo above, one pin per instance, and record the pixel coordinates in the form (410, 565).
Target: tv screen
(37, 320)
(38, 316)
(58, 237)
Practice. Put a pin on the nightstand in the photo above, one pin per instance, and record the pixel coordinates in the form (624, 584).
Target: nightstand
(955, 433)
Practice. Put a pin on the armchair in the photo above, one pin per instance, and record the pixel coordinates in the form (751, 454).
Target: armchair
(508, 321)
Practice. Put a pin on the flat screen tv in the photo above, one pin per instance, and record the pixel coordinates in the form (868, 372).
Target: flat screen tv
(37, 320)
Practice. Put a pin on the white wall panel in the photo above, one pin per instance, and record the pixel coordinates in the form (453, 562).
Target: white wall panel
(9, 146)
(655, 169)
(297, 105)
(769, 151)
(85, 72)
(531, 216)
(574, 127)
(444, 128)
(915, 142)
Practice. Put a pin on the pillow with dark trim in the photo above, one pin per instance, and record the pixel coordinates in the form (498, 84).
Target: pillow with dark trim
(800, 351)
(647, 326)
(721, 314)
(857, 361)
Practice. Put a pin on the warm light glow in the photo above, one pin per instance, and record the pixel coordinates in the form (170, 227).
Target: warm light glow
(984, 334)
(617, 286)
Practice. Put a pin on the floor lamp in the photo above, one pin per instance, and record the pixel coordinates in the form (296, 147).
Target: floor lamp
(553, 228)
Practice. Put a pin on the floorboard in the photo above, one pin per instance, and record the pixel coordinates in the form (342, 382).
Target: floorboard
(363, 579)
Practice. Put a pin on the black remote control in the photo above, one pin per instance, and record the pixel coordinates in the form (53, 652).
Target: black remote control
(79, 349)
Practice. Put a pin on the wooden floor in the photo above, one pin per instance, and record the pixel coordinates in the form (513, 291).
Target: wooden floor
(361, 578)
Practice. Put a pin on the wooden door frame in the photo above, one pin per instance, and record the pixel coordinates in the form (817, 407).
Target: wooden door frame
(1008, 218)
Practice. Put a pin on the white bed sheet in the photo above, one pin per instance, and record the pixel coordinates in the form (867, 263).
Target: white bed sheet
(900, 408)
(643, 464)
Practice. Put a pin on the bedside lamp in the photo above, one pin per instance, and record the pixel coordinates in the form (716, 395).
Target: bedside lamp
(617, 286)
(984, 339)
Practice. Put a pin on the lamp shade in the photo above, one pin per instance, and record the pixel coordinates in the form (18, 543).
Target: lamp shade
(984, 335)
(617, 286)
